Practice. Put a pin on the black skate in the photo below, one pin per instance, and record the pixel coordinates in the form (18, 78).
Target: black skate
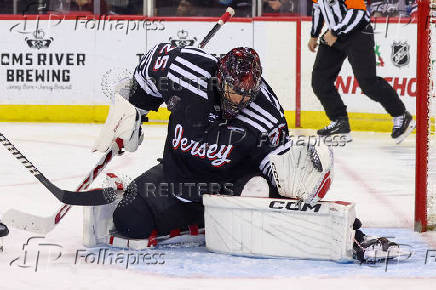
(339, 127)
(403, 126)
(374, 249)
(4, 231)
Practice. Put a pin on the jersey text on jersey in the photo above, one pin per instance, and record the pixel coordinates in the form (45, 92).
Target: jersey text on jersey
(218, 157)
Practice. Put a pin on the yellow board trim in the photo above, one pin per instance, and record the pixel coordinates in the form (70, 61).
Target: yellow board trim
(358, 121)
(65, 113)
(53, 113)
(98, 113)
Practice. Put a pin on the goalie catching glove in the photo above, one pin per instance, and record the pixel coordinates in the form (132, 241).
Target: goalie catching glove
(124, 123)
(304, 172)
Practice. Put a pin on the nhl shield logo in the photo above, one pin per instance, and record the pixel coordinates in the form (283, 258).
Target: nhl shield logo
(400, 53)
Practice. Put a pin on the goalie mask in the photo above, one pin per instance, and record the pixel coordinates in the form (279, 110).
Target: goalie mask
(239, 77)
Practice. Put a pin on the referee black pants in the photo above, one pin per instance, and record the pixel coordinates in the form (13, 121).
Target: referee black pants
(358, 48)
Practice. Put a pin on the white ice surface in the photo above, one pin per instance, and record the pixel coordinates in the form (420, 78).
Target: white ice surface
(371, 171)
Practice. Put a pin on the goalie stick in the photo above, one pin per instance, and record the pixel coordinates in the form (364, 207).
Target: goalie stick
(44, 225)
(223, 19)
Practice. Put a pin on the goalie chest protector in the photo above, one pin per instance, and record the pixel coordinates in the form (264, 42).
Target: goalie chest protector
(253, 226)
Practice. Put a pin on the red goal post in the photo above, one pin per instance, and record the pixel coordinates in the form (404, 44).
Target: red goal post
(425, 207)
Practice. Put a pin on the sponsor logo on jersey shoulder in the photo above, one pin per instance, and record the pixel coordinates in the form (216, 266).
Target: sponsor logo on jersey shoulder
(294, 205)
(182, 39)
(400, 53)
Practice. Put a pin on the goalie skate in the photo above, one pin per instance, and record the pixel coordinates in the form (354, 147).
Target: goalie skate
(4, 231)
(374, 250)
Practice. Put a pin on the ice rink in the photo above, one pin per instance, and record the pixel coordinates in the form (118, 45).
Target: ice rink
(371, 171)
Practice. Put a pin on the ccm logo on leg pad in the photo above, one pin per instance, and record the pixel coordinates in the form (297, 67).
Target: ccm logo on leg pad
(293, 205)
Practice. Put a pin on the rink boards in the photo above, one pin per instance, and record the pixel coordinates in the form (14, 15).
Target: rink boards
(51, 66)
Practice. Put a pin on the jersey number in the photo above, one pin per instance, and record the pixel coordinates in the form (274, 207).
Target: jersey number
(161, 62)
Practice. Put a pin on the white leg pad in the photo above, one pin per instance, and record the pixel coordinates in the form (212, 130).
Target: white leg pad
(97, 223)
(279, 227)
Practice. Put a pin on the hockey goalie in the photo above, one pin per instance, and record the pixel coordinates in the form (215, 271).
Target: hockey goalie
(228, 166)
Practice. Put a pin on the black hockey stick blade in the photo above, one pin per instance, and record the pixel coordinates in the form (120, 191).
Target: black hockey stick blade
(86, 198)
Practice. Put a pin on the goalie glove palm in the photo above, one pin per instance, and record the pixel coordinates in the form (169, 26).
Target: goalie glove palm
(123, 122)
(304, 172)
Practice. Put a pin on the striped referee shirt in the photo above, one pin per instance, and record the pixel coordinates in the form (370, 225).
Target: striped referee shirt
(341, 16)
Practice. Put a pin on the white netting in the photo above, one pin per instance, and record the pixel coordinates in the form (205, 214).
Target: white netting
(117, 80)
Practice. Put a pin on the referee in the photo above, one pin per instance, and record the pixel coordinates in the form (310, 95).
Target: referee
(350, 35)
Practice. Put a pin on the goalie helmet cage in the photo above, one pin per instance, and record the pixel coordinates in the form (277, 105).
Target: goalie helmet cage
(425, 176)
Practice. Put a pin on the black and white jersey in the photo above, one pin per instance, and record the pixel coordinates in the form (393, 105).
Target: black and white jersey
(341, 16)
(204, 152)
